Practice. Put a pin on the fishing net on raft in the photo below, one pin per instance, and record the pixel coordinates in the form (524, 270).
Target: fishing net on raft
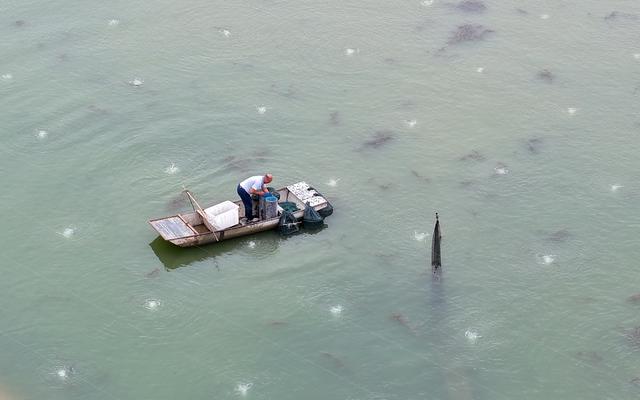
(288, 206)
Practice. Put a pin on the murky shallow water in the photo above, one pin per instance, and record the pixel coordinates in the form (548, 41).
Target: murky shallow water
(524, 141)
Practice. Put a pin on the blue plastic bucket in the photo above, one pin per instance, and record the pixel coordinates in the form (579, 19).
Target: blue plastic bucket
(270, 207)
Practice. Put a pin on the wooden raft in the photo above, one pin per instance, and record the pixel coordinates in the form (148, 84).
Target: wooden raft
(172, 228)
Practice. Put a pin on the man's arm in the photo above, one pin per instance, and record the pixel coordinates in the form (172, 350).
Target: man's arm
(260, 192)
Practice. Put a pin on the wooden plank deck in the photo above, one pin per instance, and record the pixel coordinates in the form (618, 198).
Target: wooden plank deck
(172, 228)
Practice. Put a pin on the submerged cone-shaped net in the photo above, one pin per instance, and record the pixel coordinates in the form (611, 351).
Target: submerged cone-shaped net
(436, 261)
(311, 218)
(287, 223)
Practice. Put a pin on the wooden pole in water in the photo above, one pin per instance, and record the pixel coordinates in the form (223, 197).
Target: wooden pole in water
(436, 259)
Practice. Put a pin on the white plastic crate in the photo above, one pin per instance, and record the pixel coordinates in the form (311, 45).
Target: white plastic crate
(223, 215)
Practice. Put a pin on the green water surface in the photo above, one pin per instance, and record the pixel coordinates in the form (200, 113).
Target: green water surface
(538, 261)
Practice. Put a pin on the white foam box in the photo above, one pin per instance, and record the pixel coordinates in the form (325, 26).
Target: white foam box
(223, 215)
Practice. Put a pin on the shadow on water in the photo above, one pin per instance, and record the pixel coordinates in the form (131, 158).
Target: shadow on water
(172, 256)
(457, 377)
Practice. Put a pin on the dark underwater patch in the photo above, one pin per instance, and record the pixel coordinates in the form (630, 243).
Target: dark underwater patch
(469, 33)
